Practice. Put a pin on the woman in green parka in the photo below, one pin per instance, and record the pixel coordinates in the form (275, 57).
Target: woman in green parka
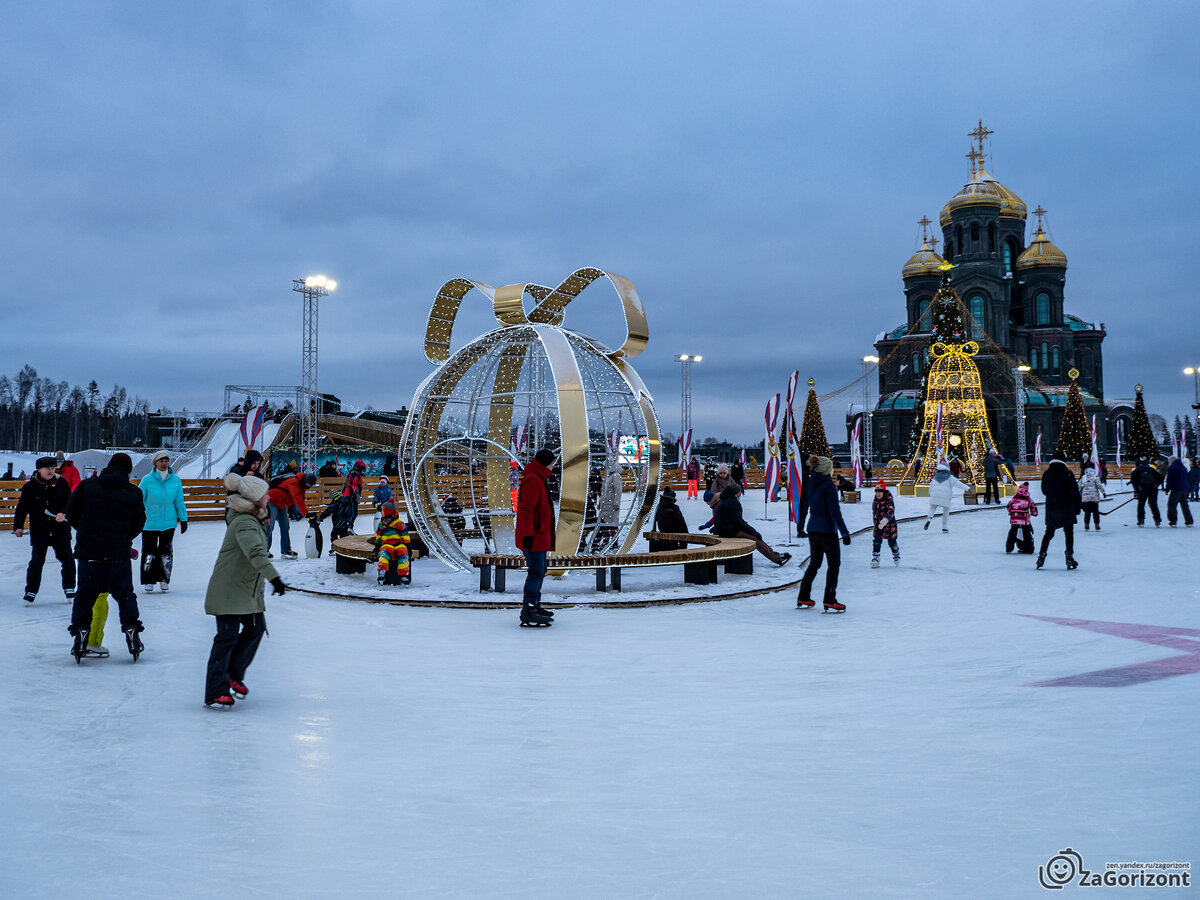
(235, 590)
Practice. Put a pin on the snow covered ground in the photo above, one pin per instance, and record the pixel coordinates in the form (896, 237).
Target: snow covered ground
(734, 749)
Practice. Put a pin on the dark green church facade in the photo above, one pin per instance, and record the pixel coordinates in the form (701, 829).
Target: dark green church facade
(1014, 294)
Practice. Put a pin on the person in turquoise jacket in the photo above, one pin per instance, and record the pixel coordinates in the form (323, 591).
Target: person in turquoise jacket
(162, 494)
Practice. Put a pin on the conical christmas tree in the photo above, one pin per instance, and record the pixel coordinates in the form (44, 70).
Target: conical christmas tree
(1074, 436)
(812, 432)
(1141, 443)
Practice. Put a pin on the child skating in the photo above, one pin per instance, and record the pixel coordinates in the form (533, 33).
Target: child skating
(883, 515)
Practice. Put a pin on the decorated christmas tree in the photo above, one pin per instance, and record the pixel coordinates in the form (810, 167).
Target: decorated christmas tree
(812, 432)
(1074, 437)
(1141, 443)
(946, 312)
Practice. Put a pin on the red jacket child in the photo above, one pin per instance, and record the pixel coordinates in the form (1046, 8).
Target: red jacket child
(1021, 507)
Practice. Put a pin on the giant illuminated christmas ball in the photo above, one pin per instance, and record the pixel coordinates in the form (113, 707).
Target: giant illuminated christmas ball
(527, 385)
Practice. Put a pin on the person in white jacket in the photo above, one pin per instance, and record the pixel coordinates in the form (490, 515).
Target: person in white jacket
(1090, 492)
(941, 490)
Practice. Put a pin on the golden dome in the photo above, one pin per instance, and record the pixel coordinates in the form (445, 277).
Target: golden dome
(1041, 253)
(984, 190)
(924, 262)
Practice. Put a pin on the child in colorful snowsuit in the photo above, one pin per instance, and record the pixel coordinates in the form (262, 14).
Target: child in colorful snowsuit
(1020, 508)
(883, 514)
(391, 541)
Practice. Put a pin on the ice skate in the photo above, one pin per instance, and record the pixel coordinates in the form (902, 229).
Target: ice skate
(79, 648)
(532, 618)
(290, 555)
(222, 702)
(133, 641)
(834, 607)
(545, 612)
(783, 559)
(238, 689)
(69, 593)
(875, 561)
(1041, 561)
(895, 559)
(805, 604)
(97, 652)
(30, 596)
(163, 586)
(1071, 563)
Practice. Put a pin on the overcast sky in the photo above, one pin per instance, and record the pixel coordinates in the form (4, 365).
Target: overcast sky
(757, 172)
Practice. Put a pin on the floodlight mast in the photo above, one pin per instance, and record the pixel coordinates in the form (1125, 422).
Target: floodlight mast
(312, 289)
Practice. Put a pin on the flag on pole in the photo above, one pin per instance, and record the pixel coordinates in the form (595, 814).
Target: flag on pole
(614, 442)
(795, 482)
(252, 424)
(939, 435)
(685, 449)
(1119, 435)
(856, 463)
(742, 457)
(1095, 454)
(771, 476)
(1037, 450)
(520, 439)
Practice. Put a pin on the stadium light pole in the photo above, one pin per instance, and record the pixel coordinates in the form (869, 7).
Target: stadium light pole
(312, 288)
(1019, 387)
(686, 361)
(1194, 371)
(868, 444)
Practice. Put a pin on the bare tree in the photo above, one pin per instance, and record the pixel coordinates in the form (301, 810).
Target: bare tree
(77, 404)
(26, 379)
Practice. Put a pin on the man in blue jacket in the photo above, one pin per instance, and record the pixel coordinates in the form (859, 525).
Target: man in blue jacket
(1177, 491)
(824, 523)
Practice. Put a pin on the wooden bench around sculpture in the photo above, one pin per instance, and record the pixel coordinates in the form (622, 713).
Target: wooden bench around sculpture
(353, 552)
(699, 563)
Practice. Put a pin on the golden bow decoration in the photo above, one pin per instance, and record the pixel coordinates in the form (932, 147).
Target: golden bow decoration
(940, 349)
(550, 304)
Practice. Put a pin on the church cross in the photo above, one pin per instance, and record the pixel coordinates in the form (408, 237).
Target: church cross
(924, 222)
(975, 157)
(1039, 212)
(979, 134)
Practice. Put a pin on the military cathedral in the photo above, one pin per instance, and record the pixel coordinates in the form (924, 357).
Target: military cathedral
(1013, 291)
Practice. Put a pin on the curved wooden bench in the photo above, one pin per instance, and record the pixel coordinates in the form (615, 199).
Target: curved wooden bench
(699, 563)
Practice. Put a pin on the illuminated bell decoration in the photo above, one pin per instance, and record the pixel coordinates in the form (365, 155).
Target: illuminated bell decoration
(953, 381)
(529, 384)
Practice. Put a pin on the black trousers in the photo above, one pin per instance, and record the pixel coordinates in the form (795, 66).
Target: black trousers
(98, 577)
(1150, 494)
(991, 490)
(157, 556)
(1025, 540)
(1068, 535)
(821, 547)
(1091, 510)
(1178, 499)
(60, 540)
(233, 650)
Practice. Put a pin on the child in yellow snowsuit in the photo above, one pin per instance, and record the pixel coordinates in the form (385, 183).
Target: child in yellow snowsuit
(392, 540)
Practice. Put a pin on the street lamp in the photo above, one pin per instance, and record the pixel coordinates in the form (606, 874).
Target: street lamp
(1194, 371)
(312, 288)
(686, 360)
(1019, 387)
(868, 448)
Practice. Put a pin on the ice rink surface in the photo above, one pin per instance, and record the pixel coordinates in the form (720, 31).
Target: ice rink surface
(725, 750)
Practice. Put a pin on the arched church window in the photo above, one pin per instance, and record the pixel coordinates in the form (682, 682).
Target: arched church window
(916, 364)
(922, 315)
(991, 237)
(1043, 308)
(977, 315)
(974, 233)
(1007, 258)
(1054, 360)
(1033, 359)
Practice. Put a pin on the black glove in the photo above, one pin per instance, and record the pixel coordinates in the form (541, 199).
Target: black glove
(846, 540)
(527, 542)
(277, 586)
(183, 527)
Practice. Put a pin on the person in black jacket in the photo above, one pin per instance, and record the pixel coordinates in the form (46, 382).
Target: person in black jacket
(1063, 504)
(44, 501)
(668, 519)
(729, 522)
(824, 522)
(107, 513)
(1145, 480)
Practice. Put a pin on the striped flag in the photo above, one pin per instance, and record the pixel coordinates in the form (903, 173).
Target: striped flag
(1119, 436)
(795, 482)
(520, 439)
(856, 452)
(685, 449)
(1037, 450)
(1095, 454)
(771, 476)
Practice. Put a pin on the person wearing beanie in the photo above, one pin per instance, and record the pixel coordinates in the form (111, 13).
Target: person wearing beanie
(383, 492)
(693, 478)
(535, 529)
(728, 521)
(353, 486)
(1091, 489)
(391, 546)
(235, 591)
(286, 494)
(162, 495)
(668, 519)
(941, 494)
(1063, 504)
(107, 513)
(342, 509)
(43, 500)
(883, 515)
(824, 523)
(1021, 509)
(722, 479)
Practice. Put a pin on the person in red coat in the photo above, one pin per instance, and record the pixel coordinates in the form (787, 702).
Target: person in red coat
(286, 491)
(535, 535)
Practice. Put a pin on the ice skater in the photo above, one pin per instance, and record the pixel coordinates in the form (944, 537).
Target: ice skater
(1176, 485)
(1062, 506)
(1020, 508)
(162, 495)
(941, 493)
(235, 591)
(824, 521)
(535, 536)
(883, 515)
(1091, 489)
(43, 500)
